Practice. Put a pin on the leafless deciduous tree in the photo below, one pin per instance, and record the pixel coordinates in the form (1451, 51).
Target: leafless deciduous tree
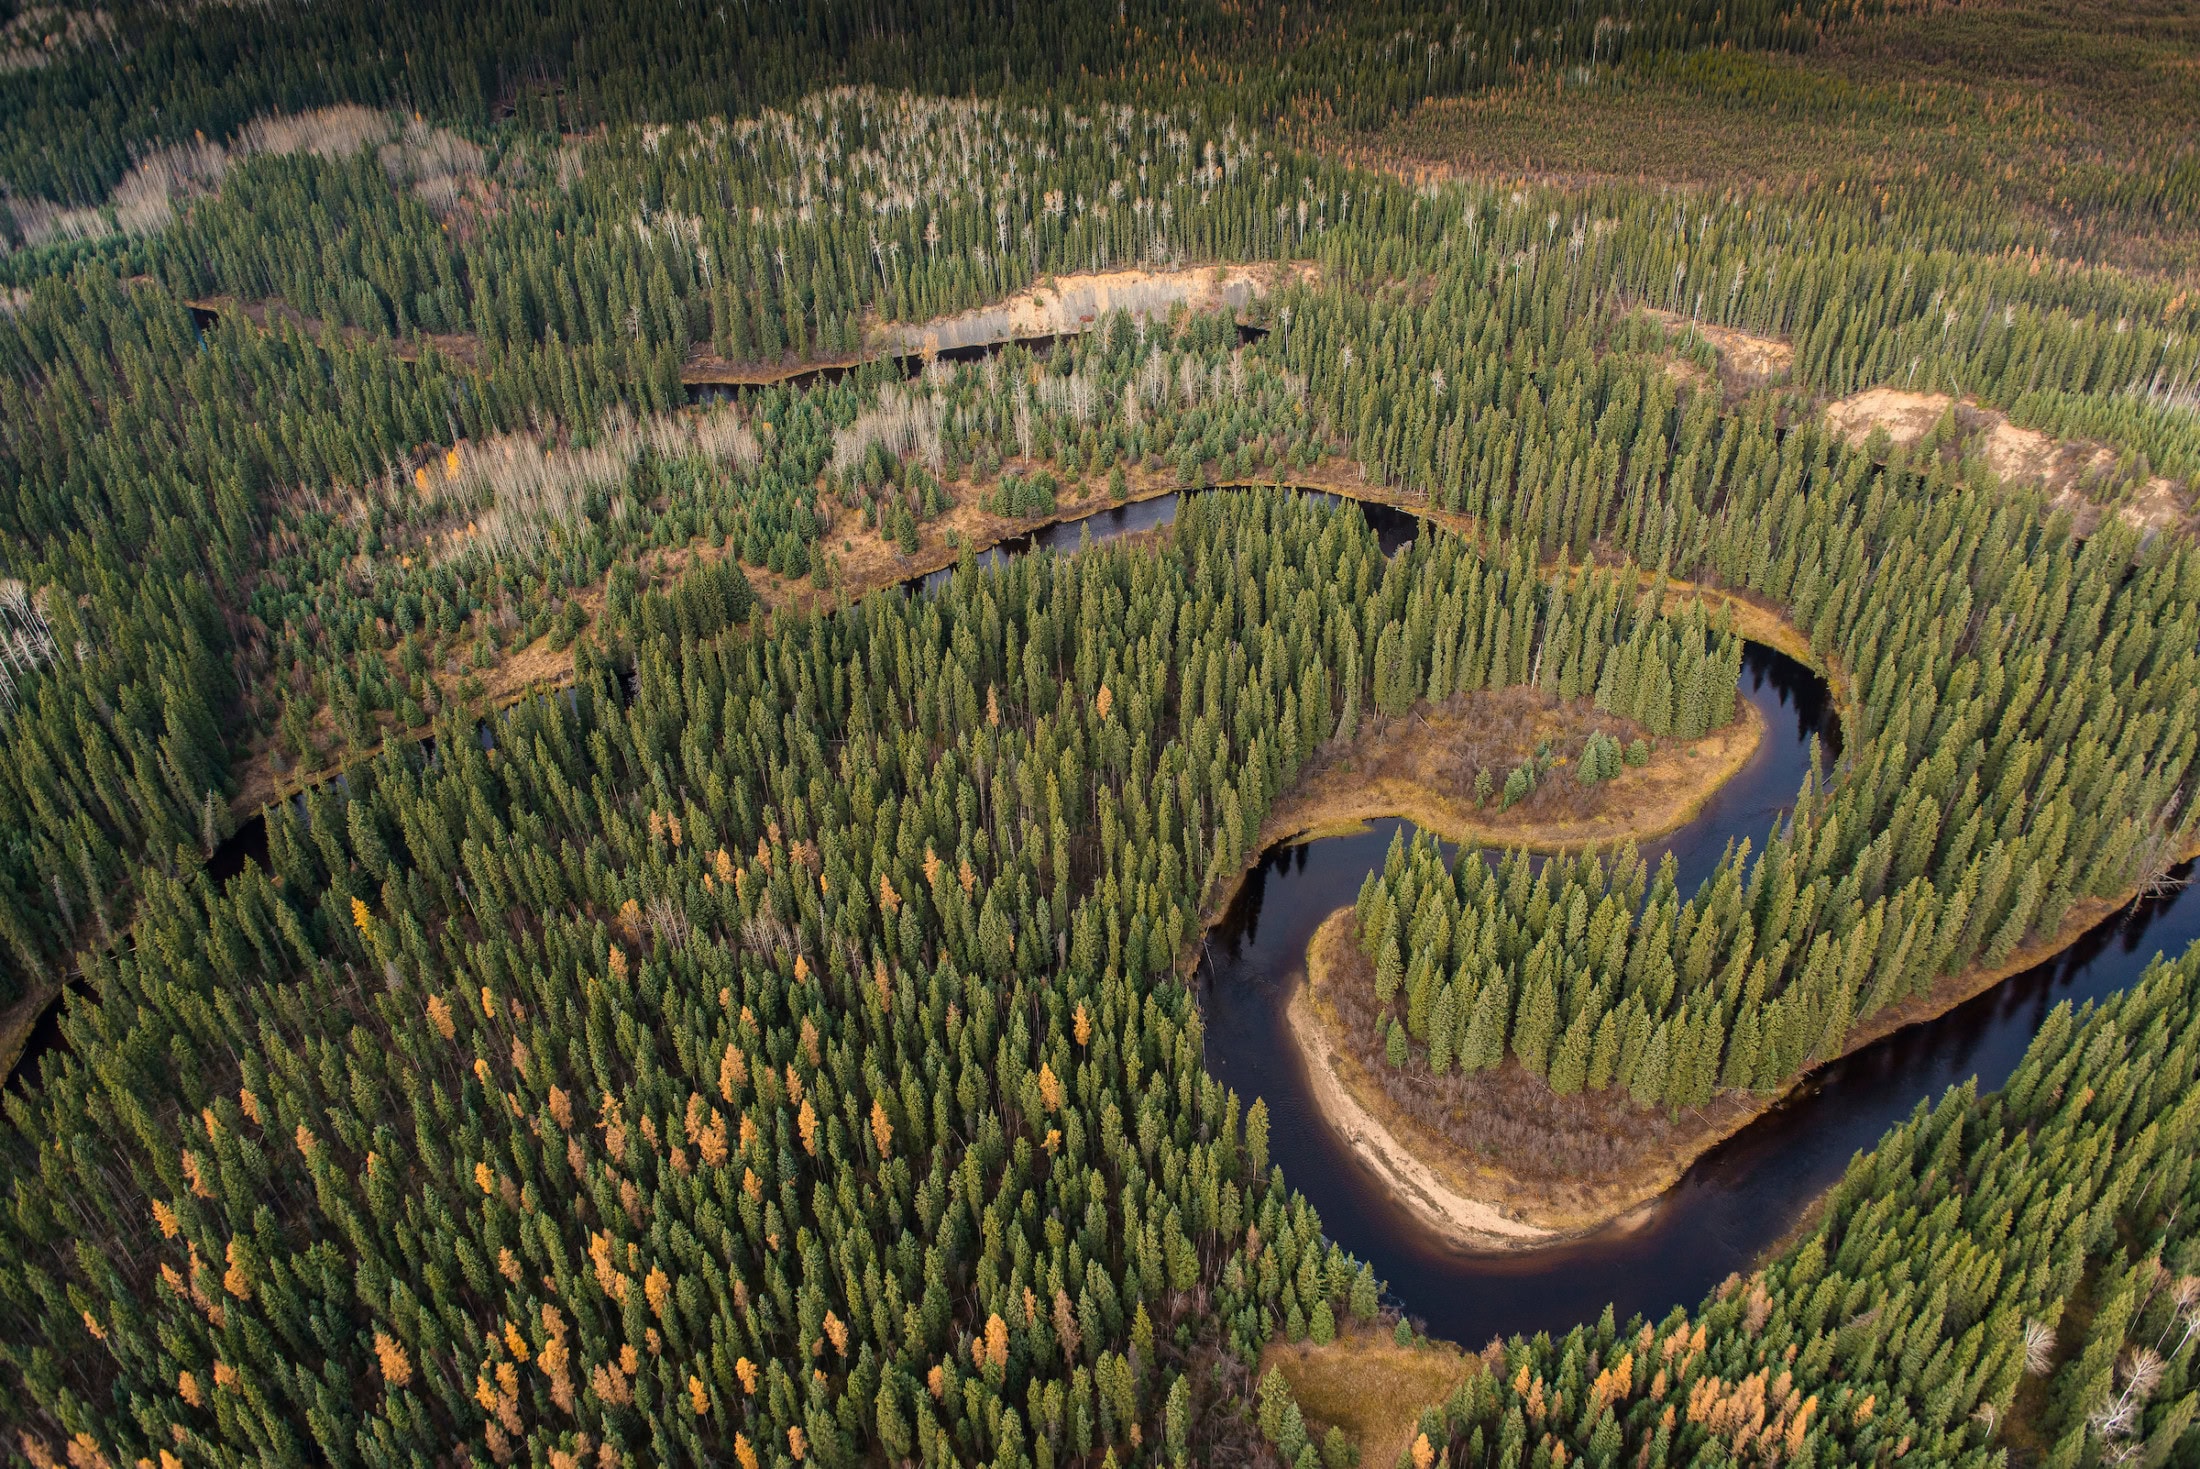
(25, 640)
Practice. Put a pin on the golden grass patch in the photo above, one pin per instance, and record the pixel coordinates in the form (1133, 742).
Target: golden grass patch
(1369, 1386)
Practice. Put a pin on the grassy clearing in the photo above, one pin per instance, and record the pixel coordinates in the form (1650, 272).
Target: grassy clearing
(1369, 1386)
(1423, 765)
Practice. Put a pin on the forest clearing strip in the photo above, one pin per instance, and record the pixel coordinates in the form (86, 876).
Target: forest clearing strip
(1364, 783)
(1054, 306)
(268, 312)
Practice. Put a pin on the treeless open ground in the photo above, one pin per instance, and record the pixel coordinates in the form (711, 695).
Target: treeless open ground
(1422, 764)
(1369, 1386)
(2078, 474)
(1746, 362)
(2033, 112)
(1062, 305)
(462, 347)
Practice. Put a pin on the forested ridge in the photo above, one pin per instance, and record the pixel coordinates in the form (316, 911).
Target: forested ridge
(209, 70)
(776, 1045)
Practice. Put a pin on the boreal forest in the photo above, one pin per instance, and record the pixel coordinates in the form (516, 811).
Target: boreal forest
(1441, 734)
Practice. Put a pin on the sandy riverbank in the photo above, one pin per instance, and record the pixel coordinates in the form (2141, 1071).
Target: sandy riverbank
(1459, 1195)
(1410, 1178)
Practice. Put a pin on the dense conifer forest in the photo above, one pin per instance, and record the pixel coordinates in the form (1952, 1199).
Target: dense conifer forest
(554, 949)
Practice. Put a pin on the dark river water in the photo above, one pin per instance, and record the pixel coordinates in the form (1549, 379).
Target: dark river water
(1742, 1196)
(1739, 1198)
(1736, 1201)
(1393, 528)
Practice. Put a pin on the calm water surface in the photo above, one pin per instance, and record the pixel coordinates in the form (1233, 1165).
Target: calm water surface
(1740, 1197)
(1735, 1202)
(1393, 529)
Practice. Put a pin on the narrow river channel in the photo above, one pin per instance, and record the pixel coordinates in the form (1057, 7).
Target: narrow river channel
(1738, 1200)
(1741, 1197)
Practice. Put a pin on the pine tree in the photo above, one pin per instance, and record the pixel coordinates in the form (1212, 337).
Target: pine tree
(1389, 969)
(1488, 1031)
(1651, 1079)
(1533, 1031)
(1603, 1060)
(1570, 1065)
(1443, 1023)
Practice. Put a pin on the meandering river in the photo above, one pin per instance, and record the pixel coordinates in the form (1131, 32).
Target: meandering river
(1737, 1200)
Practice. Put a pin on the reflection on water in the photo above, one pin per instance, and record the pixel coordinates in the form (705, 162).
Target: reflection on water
(1732, 1204)
(909, 364)
(1065, 536)
(1394, 528)
(248, 844)
(44, 1040)
(1740, 1197)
